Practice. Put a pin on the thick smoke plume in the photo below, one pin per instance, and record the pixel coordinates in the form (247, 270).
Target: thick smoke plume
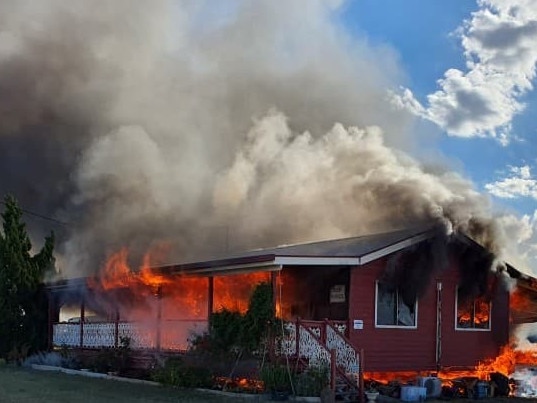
(209, 127)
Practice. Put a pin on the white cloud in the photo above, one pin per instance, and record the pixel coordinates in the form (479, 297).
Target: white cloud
(520, 246)
(519, 183)
(500, 46)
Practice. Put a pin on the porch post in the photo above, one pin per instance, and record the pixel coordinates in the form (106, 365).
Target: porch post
(274, 280)
(159, 316)
(326, 322)
(361, 375)
(116, 328)
(210, 297)
(82, 319)
(272, 335)
(50, 327)
(333, 369)
(297, 337)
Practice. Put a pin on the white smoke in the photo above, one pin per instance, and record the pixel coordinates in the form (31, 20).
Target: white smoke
(251, 125)
(342, 183)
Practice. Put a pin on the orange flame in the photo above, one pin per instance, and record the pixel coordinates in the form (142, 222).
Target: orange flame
(517, 300)
(118, 274)
(180, 296)
(233, 292)
(505, 363)
(473, 313)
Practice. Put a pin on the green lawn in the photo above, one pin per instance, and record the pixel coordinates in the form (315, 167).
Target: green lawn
(26, 385)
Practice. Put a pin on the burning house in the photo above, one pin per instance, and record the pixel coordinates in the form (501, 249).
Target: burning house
(410, 300)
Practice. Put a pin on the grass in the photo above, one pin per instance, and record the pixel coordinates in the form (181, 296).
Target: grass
(26, 385)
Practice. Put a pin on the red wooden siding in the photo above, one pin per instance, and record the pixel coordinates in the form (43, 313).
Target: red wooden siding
(402, 349)
(466, 347)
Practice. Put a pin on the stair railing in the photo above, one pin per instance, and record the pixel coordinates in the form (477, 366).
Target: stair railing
(323, 343)
(348, 358)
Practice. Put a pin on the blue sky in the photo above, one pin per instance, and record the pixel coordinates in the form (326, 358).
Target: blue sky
(428, 42)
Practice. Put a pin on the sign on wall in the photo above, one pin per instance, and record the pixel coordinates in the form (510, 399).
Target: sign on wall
(337, 293)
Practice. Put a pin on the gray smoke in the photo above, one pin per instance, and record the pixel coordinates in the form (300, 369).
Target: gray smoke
(208, 127)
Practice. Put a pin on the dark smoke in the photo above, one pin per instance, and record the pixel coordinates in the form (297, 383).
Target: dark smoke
(412, 270)
(146, 122)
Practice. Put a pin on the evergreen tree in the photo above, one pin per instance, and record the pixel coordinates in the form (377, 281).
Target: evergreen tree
(23, 307)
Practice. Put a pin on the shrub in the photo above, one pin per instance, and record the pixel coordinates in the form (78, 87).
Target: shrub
(312, 381)
(18, 354)
(225, 332)
(276, 377)
(232, 332)
(176, 373)
(54, 359)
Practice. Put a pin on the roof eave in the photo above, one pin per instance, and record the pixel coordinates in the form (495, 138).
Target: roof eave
(396, 247)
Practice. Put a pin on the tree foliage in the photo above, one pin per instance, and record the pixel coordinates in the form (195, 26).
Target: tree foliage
(231, 331)
(259, 317)
(23, 312)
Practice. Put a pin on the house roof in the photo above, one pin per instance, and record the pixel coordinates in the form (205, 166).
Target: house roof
(353, 251)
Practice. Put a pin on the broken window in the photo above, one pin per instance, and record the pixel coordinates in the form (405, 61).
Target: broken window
(391, 309)
(472, 312)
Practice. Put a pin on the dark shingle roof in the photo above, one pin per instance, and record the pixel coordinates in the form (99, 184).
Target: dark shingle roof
(354, 247)
(347, 247)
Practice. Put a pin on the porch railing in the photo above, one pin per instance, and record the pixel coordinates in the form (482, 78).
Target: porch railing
(169, 335)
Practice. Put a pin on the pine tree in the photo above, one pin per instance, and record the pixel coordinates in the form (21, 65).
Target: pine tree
(23, 308)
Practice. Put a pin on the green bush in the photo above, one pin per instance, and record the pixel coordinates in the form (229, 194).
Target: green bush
(312, 381)
(176, 372)
(231, 331)
(276, 377)
(225, 330)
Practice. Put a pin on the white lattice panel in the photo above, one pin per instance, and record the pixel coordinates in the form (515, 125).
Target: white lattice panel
(346, 357)
(312, 349)
(287, 343)
(99, 335)
(340, 327)
(65, 334)
(315, 328)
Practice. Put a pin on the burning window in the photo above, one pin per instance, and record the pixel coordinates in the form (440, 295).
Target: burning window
(473, 313)
(391, 310)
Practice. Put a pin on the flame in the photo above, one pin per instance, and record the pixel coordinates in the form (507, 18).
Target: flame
(144, 293)
(243, 385)
(169, 303)
(505, 363)
(233, 292)
(473, 313)
(118, 274)
(519, 301)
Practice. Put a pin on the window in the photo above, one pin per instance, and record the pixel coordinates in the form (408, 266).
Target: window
(472, 313)
(391, 310)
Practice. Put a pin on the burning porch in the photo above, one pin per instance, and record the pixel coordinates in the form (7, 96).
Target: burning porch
(162, 308)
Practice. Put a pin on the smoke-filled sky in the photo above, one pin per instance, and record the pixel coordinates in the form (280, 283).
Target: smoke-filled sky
(218, 127)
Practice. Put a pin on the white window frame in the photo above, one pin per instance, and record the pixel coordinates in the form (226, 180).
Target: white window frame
(415, 326)
(470, 329)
